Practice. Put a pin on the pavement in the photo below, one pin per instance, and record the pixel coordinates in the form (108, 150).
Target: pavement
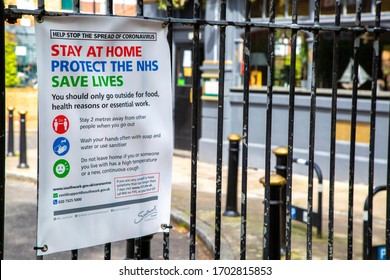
(18, 244)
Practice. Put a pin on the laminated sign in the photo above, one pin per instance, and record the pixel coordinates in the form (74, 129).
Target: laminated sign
(105, 130)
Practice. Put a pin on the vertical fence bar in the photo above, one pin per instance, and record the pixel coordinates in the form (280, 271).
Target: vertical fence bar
(245, 129)
(268, 137)
(137, 248)
(375, 68)
(141, 243)
(135, 244)
(221, 97)
(41, 7)
(76, 6)
(170, 39)
(109, 8)
(74, 255)
(291, 128)
(107, 251)
(332, 157)
(140, 7)
(194, 129)
(2, 128)
(107, 246)
(388, 195)
(170, 27)
(353, 130)
(309, 253)
(166, 241)
(130, 243)
(129, 249)
(166, 245)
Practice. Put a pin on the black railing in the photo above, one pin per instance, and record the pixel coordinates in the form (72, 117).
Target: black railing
(370, 252)
(272, 26)
(317, 216)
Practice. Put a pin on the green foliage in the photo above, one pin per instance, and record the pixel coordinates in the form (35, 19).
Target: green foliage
(283, 62)
(11, 70)
(303, 55)
(178, 4)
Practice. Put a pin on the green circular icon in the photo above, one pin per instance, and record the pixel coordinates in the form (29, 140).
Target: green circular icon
(61, 168)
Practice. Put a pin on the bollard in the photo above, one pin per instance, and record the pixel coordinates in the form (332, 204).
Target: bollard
(10, 152)
(281, 169)
(145, 247)
(281, 161)
(277, 183)
(23, 141)
(231, 196)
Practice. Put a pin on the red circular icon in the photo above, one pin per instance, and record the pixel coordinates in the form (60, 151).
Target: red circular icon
(60, 124)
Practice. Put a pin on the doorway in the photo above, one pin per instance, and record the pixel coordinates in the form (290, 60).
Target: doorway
(183, 97)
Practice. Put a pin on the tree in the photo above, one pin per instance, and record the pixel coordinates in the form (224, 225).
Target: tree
(11, 66)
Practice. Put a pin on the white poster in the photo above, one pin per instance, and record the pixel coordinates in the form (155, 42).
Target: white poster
(105, 130)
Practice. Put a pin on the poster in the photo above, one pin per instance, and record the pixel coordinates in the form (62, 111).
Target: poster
(105, 130)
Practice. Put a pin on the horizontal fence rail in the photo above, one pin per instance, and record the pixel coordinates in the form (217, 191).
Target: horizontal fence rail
(292, 26)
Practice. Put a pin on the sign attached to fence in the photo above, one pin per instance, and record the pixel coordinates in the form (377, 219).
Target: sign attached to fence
(105, 130)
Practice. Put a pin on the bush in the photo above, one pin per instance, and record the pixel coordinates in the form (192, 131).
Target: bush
(11, 66)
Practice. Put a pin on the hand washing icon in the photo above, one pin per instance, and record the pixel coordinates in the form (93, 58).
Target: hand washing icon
(61, 149)
(61, 146)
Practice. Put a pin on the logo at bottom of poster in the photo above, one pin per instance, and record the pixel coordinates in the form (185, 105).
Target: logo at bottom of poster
(146, 215)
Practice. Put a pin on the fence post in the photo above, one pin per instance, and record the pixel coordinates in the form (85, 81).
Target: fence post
(130, 249)
(277, 183)
(10, 152)
(23, 141)
(145, 247)
(281, 169)
(231, 196)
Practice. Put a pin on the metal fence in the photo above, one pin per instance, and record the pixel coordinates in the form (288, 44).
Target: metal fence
(272, 26)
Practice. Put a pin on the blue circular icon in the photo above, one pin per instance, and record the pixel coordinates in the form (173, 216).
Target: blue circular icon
(61, 146)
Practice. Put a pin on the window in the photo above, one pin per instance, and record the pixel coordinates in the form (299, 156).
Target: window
(351, 6)
(66, 4)
(260, 8)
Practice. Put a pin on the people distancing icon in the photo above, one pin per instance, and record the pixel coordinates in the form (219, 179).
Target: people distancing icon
(60, 124)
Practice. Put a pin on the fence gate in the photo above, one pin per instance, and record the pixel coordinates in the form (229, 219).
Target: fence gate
(290, 25)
